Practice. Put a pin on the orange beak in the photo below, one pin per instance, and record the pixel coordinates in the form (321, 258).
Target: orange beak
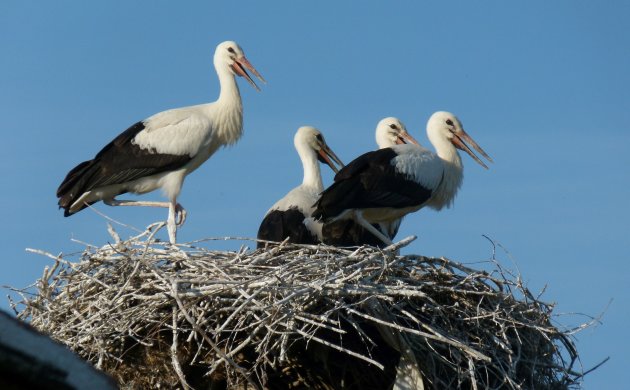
(240, 67)
(460, 139)
(405, 138)
(326, 154)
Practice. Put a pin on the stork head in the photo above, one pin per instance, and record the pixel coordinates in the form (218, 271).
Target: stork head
(309, 138)
(391, 131)
(444, 126)
(229, 54)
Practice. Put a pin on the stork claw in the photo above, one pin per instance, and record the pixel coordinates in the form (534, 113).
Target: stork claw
(180, 214)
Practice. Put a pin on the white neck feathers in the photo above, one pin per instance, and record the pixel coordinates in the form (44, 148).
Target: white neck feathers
(452, 176)
(228, 109)
(310, 164)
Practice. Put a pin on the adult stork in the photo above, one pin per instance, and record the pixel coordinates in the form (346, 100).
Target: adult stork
(385, 185)
(390, 131)
(158, 152)
(291, 215)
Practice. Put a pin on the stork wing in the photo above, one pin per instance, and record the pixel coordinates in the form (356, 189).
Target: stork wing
(280, 224)
(371, 181)
(124, 160)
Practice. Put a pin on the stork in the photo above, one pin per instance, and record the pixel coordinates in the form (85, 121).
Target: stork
(387, 184)
(291, 215)
(390, 131)
(160, 151)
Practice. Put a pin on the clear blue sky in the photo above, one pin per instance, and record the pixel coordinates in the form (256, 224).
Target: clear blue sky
(542, 86)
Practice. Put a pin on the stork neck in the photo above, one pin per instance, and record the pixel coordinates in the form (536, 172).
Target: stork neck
(383, 140)
(227, 111)
(449, 154)
(230, 94)
(452, 176)
(312, 173)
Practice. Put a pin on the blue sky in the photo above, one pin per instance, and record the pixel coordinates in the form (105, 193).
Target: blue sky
(541, 86)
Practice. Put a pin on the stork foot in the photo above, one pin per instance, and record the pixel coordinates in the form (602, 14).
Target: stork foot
(180, 214)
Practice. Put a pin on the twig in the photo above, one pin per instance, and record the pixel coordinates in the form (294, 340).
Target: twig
(174, 350)
(244, 314)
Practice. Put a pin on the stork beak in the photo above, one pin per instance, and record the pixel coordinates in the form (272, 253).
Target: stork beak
(405, 138)
(240, 67)
(326, 154)
(460, 139)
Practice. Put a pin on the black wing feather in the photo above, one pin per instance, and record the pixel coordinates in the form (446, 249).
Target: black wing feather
(370, 181)
(120, 161)
(363, 162)
(278, 225)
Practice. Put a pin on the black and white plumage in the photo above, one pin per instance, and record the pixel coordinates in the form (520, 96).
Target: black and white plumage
(390, 131)
(385, 185)
(291, 215)
(160, 151)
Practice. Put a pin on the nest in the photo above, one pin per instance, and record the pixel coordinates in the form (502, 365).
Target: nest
(155, 315)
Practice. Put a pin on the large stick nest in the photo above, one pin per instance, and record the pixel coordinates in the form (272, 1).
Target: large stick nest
(295, 316)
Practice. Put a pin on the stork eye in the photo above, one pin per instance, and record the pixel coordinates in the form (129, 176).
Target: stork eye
(231, 50)
(319, 138)
(393, 126)
(449, 122)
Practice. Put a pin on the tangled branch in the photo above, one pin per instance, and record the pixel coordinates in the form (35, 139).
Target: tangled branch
(152, 314)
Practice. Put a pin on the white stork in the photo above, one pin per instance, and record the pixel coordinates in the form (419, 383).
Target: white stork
(160, 151)
(291, 215)
(390, 131)
(385, 185)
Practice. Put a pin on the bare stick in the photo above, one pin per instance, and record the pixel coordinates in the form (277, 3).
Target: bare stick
(240, 314)
(174, 350)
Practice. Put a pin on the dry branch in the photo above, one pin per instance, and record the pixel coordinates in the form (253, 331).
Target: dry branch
(152, 314)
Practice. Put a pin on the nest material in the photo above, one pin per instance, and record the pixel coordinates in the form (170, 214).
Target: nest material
(294, 316)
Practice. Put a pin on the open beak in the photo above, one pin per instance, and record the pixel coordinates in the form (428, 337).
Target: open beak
(460, 139)
(326, 154)
(240, 67)
(405, 138)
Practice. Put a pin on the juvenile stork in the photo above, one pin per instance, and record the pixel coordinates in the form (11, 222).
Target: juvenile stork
(160, 151)
(291, 215)
(390, 131)
(385, 185)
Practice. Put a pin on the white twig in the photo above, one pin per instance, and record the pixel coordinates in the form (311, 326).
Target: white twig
(246, 315)
(174, 351)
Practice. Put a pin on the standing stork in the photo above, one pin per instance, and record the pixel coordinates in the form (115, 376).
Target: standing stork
(160, 151)
(385, 185)
(291, 215)
(390, 131)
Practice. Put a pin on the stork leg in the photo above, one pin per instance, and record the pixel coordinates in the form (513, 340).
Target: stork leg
(146, 203)
(176, 213)
(180, 212)
(171, 223)
(358, 216)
